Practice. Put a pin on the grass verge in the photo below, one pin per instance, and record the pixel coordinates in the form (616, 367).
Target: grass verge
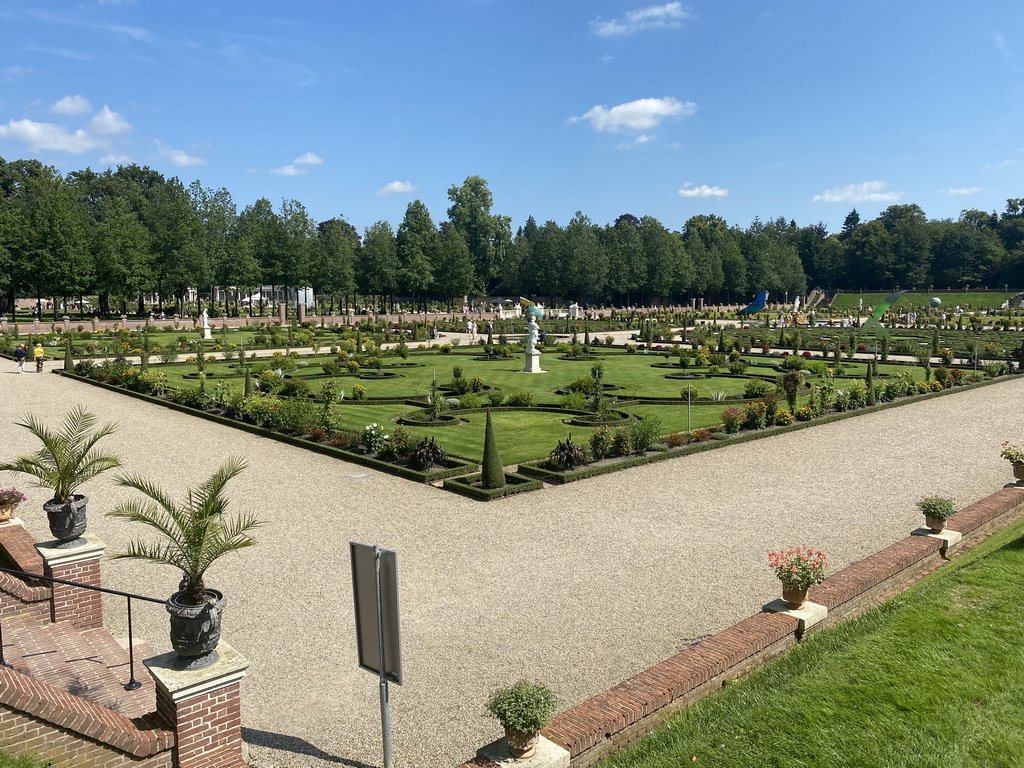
(932, 677)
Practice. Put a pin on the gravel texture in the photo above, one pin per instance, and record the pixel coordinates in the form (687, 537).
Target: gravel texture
(578, 586)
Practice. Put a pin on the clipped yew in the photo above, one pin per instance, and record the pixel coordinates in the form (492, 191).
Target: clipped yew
(493, 471)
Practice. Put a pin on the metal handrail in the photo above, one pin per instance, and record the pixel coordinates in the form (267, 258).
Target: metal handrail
(132, 684)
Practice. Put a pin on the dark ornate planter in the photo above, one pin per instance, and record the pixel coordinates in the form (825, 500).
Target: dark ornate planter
(67, 520)
(195, 629)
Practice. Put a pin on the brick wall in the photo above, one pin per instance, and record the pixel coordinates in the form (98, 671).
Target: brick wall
(22, 600)
(208, 727)
(612, 719)
(82, 607)
(46, 723)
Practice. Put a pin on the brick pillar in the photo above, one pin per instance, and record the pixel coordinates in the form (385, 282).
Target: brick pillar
(204, 708)
(282, 313)
(82, 607)
(302, 313)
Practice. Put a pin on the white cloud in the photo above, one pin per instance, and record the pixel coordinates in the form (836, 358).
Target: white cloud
(288, 170)
(643, 138)
(108, 122)
(179, 157)
(309, 158)
(963, 190)
(606, 58)
(652, 17)
(639, 115)
(396, 188)
(72, 105)
(866, 191)
(688, 190)
(12, 72)
(48, 136)
(115, 159)
(1001, 46)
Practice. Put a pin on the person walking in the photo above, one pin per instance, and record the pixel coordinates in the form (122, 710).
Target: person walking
(39, 355)
(20, 354)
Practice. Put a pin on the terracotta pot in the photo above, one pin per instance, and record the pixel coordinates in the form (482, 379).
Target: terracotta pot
(1018, 472)
(521, 745)
(795, 598)
(7, 512)
(936, 524)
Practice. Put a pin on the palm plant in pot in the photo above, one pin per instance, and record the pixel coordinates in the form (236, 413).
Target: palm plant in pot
(194, 534)
(522, 709)
(67, 459)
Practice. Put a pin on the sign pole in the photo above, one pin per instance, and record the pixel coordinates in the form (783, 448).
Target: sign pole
(385, 705)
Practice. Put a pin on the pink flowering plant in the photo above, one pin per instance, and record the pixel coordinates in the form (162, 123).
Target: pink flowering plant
(798, 567)
(9, 497)
(1012, 453)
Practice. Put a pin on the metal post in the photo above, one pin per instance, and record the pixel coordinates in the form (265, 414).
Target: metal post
(689, 394)
(3, 662)
(132, 684)
(385, 706)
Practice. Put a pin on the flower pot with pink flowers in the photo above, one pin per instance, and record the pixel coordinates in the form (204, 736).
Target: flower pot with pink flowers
(1015, 455)
(798, 568)
(10, 498)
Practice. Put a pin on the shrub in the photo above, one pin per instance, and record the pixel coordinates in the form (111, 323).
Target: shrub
(689, 392)
(600, 443)
(622, 442)
(476, 384)
(585, 384)
(524, 707)
(521, 399)
(295, 388)
(469, 400)
(372, 437)
(676, 439)
(567, 456)
(574, 401)
(262, 410)
(739, 367)
(755, 415)
(496, 397)
(936, 506)
(345, 439)
(426, 454)
(331, 368)
(358, 392)
(732, 420)
(645, 433)
(804, 413)
(783, 418)
(298, 415)
(701, 435)
(757, 388)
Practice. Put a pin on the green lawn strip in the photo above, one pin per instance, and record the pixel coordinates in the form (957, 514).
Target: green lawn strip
(12, 761)
(966, 300)
(932, 677)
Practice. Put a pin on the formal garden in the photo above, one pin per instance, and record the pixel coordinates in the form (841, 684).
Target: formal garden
(413, 399)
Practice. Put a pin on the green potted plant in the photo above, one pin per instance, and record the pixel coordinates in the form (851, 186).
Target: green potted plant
(936, 510)
(195, 534)
(522, 709)
(798, 568)
(67, 459)
(1015, 455)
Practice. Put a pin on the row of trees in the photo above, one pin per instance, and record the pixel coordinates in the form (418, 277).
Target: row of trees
(131, 232)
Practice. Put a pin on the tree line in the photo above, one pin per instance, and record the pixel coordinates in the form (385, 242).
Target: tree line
(125, 234)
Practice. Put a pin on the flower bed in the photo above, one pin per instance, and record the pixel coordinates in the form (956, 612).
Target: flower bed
(469, 485)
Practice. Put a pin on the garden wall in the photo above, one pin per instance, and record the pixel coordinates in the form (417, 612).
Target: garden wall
(612, 719)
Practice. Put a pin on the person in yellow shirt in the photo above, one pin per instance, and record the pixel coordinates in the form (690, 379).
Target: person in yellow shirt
(38, 354)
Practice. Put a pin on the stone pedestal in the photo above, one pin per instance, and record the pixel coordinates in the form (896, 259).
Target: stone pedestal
(95, 324)
(950, 540)
(82, 607)
(207, 335)
(808, 615)
(532, 363)
(204, 707)
(302, 313)
(548, 755)
(282, 313)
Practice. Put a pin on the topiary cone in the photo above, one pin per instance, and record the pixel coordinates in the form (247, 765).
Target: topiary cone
(248, 382)
(493, 471)
(69, 363)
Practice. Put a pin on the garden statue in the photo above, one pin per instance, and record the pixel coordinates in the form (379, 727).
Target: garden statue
(205, 317)
(533, 314)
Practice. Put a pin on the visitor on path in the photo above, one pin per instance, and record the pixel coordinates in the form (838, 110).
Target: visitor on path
(20, 354)
(38, 354)
(471, 330)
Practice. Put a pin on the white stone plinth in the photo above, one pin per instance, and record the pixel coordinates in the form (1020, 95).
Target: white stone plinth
(950, 539)
(548, 755)
(182, 684)
(533, 364)
(808, 615)
(58, 557)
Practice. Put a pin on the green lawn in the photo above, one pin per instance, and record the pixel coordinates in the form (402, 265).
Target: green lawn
(966, 300)
(10, 761)
(932, 678)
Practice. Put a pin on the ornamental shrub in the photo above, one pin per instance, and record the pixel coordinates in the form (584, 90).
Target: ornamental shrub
(645, 433)
(757, 388)
(358, 392)
(524, 707)
(732, 420)
(622, 442)
(521, 399)
(372, 437)
(755, 415)
(493, 472)
(601, 443)
(804, 413)
(701, 435)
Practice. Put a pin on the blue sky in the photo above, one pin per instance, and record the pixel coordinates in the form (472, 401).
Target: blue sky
(802, 109)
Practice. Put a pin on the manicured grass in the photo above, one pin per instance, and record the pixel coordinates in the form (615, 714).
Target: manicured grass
(10, 761)
(933, 677)
(966, 300)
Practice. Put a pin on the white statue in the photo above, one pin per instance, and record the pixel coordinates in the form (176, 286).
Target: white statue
(206, 319)
(532, 331)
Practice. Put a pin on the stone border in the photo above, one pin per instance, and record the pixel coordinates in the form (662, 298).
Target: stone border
(612, 719)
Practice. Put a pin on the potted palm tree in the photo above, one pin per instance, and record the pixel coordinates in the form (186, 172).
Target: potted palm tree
(67, 459)
(194, 533)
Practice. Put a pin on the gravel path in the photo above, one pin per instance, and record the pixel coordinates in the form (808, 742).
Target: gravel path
(579, 586)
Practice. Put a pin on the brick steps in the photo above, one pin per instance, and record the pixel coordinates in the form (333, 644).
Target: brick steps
(89, 664)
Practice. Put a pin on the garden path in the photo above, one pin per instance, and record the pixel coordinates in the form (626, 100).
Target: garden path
(579, 586)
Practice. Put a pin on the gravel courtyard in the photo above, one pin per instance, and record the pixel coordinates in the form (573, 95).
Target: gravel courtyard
(578, 587)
